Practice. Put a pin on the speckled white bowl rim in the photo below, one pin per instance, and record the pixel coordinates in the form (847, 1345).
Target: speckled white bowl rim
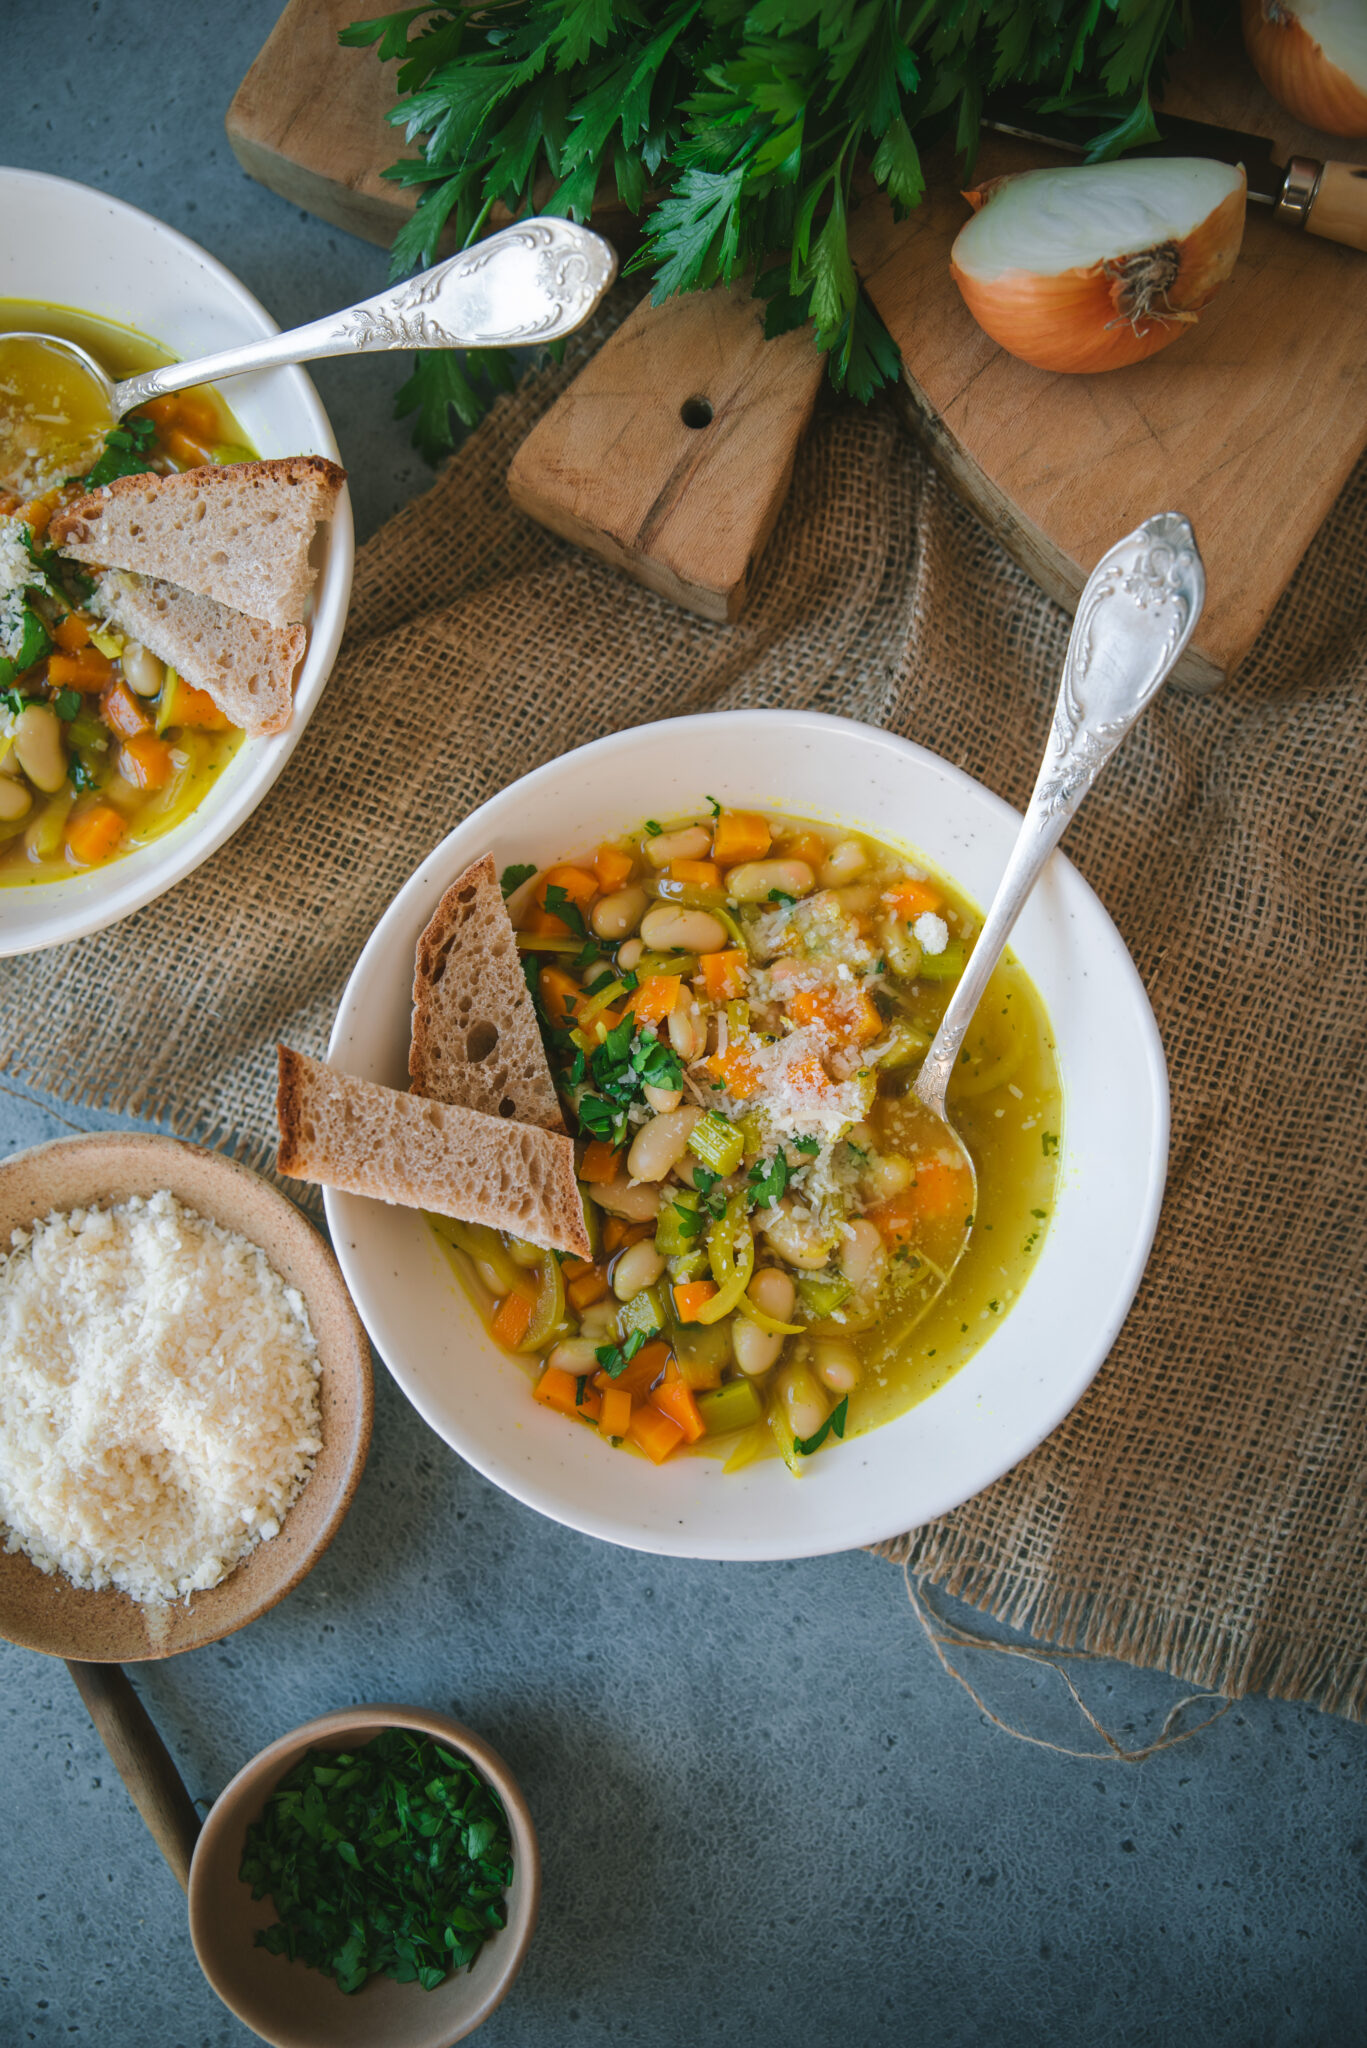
(140, 273)
(1040, 1357)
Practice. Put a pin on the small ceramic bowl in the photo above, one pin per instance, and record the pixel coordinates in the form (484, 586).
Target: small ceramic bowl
(295, 2006)
(67, 245)
(47, 1612)
(1039, 1358)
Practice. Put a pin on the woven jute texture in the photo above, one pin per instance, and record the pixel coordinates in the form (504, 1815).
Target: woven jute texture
(1205, 1508)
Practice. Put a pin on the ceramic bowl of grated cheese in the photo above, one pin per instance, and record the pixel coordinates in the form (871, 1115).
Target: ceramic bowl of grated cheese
(184, 1397)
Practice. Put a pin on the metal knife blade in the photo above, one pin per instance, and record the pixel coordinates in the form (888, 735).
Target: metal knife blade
(1181, 137)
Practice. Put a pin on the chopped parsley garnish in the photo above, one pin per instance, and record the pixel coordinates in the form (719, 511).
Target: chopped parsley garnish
(653, 829)
(14, 700)
(835, 1421)
(67, 703)
(767, 1182)
(860, 1154)
(781, 896)
(513, 877)
(560, 904)
(692, 1222)
(1039, 1214)
(391, 1859)
(811, 1146)
(615, 1358)
(126, 449)
(716, 807)
(620, 1070)
(33, 644)
(1049, 1140)
(80, 777)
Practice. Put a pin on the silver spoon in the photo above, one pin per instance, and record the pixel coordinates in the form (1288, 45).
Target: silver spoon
(533, 282)
(1136, 614)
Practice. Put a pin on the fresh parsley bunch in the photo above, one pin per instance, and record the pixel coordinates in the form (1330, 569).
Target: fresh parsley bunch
(737, 127)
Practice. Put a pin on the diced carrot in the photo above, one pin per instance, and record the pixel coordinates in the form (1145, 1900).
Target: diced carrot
(614, 1231)
(36, 514)
(146, 760)
(802, 846)
(561, 995)
(640, 1375)
(845, 1013)
(615, 1413)
(198, 417)
(723, 975)
(512, 1319)
(599, 1163)
(612, 867)
(92, 835)
(160, 410)
(197, 708)
(736, 1070)
(560, 1389)
(910, 897)
(119, 709)
(634, 1232)
(655, 998)
(674, 1399)
(85, 670)
(71, 632)
(587, 1289)
(808, 1073)
(655, 1434)
(572, 1268)
(937, 1189)
(185, 449)
(579, 884)
(738, 836)
(692, 1295)
(705, 873)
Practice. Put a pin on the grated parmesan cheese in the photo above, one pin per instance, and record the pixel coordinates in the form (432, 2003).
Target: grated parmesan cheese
(158, 1397)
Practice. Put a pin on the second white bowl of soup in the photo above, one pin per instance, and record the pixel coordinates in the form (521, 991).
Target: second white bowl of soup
(1063, 1102)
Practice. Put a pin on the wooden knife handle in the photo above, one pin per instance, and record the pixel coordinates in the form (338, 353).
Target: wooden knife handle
(1338, 210)
(141, 1759)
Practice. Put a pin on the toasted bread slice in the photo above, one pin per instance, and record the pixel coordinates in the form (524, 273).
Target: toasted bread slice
(246, 666)
(475, 1036)
(239, 533)
(421, 1154)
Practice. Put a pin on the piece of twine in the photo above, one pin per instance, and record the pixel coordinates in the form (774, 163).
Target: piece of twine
(952, 1634)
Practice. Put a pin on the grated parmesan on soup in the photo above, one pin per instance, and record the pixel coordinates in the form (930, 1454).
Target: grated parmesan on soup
(158, 1397)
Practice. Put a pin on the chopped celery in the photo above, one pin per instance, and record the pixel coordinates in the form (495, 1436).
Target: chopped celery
(737, 1019)
(701, 1352)
(644, 1312)
(650, 963)
(692, 895)
(734, 1406)
(821, 1293)
(689, 1266)
(717, 1143)
(548, 1310)
(677, 1229)
(86, 730)
(166, 702)
(111, 645)
(906, 1042)
(946, 966)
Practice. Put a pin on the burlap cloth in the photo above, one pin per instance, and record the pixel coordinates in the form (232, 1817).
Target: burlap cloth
(1202, 1510)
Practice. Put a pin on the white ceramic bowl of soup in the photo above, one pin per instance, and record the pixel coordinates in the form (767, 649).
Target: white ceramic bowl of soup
(67, 245)
(1038, 1358)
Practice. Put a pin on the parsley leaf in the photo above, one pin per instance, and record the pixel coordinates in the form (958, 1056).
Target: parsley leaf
(653, 829)
(1049, 1140)
(804, 1446)
(66, 704)
(126, 449)
(781, 896)
(560, 904)
(513, 877)
(615, 1358)
(766, 1183)
(811, 1146)
(80, 777)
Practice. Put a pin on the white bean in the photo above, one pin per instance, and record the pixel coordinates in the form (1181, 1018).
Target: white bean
(629, 954)
(687, 1032)
(613, 917)
(804, 1400)
(38, 743)
(753, 880)
(640, 1266)
(636, 1203)
(795, 1238)
(887, 1175)
(843, 863)
(837, 1365)
(692, 843)
(772, 1290)
(574, 1354)
(14, 800)
(756, 1350)
(661, 1144)
(662, 1099)
(863, 1259)
(142, 671)
(668, 926)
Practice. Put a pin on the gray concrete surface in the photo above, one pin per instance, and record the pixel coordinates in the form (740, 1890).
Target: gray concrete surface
(767, 1815)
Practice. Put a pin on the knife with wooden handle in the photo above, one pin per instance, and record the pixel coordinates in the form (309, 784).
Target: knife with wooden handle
(1326, 199)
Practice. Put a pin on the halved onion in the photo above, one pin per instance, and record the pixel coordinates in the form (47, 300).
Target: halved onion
(1312, 56)
(1099, 265)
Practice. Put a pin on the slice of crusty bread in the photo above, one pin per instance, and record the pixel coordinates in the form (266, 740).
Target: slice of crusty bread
(239, 533)
(475, 1036)
(246, 666)
(422, 1154)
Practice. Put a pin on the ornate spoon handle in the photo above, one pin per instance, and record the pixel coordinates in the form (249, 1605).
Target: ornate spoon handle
(1136, 614)
(532, 282)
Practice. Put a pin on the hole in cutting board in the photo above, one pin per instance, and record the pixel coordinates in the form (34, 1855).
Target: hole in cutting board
(696, 412)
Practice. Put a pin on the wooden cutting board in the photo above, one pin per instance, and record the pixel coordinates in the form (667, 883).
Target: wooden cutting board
(1250, 425)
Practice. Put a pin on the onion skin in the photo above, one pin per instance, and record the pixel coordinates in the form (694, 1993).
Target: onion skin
(1297, 73)
(1080, 320)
